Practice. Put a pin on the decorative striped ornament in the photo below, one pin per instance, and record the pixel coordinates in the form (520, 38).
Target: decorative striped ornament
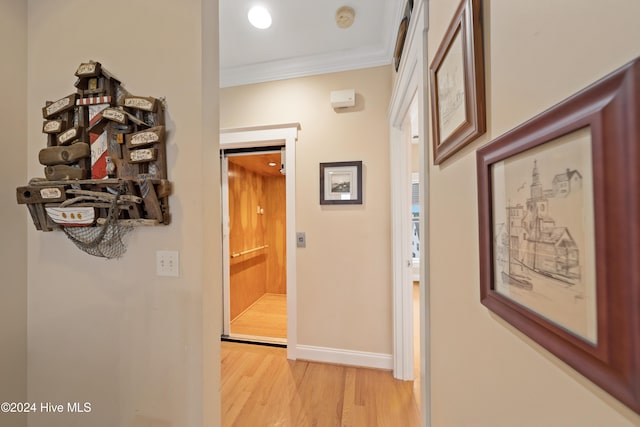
(94, 100)
(98, 143)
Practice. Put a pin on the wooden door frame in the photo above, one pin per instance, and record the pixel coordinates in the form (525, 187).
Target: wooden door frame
(263, 136)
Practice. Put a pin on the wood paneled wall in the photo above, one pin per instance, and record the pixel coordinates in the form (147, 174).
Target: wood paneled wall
(276, 220)
(254, 274)
(246, 231)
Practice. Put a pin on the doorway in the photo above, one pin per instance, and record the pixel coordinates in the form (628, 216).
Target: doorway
(253, 140)
(408, 110)
(256, 200)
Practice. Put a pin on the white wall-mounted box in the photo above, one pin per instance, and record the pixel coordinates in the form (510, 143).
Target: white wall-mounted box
(343, 98)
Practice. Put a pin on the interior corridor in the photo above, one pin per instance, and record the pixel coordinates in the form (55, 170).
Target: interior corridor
(260, 387)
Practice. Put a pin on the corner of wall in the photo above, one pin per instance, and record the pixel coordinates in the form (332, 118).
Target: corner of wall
(13, 227)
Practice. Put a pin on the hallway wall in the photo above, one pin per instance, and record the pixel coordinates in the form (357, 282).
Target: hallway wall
(141, 349)
(344, 273)
(13, 226)
(484, 372)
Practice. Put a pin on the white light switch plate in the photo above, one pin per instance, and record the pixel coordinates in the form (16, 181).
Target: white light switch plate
(167, 263)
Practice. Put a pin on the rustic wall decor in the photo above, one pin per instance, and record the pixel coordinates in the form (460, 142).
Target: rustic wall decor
(105, 168)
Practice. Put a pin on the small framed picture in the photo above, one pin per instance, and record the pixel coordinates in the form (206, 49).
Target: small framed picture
(341, 183)
(457, 84)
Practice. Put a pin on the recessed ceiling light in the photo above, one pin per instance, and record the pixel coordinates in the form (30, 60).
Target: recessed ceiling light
(259, 17)
(272, 164)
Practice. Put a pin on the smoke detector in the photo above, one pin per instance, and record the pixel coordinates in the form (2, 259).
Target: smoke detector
(345, 16)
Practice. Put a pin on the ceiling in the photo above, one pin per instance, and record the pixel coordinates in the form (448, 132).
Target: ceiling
(304, 39)
(259, 163)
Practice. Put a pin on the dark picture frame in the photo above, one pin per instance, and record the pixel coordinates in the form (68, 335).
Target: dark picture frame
(341, 183)
(456, 75)
(601, 125)
(400, 39)
(402, 34)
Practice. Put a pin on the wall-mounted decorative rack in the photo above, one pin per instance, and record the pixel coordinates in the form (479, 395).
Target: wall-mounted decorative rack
(104, 164)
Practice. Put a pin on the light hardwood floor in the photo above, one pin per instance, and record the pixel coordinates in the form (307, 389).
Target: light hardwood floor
(416, 340)
(260, 387)
(267, 317)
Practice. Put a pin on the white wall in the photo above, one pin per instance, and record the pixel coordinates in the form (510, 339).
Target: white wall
(112, 333)
(13, 226)
(344, 273)
(484, 372)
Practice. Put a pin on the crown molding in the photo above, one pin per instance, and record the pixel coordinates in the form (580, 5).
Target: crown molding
(303, 66)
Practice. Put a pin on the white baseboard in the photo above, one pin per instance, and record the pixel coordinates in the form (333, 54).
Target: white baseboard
(344, 357)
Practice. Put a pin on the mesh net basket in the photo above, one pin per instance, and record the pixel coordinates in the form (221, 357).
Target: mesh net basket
(105, 241)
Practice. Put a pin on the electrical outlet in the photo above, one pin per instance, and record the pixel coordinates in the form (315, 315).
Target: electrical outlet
(167, 263)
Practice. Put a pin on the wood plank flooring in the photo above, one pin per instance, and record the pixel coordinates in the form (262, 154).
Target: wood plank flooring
(260, 387)
(267, 317)
(416, 341)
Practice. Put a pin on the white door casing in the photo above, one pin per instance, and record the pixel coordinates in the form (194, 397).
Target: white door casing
(411, 82)
(263, 136)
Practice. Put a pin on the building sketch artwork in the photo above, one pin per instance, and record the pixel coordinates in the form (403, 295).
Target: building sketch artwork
(531, 241)
(451, 90)
(543, 235)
